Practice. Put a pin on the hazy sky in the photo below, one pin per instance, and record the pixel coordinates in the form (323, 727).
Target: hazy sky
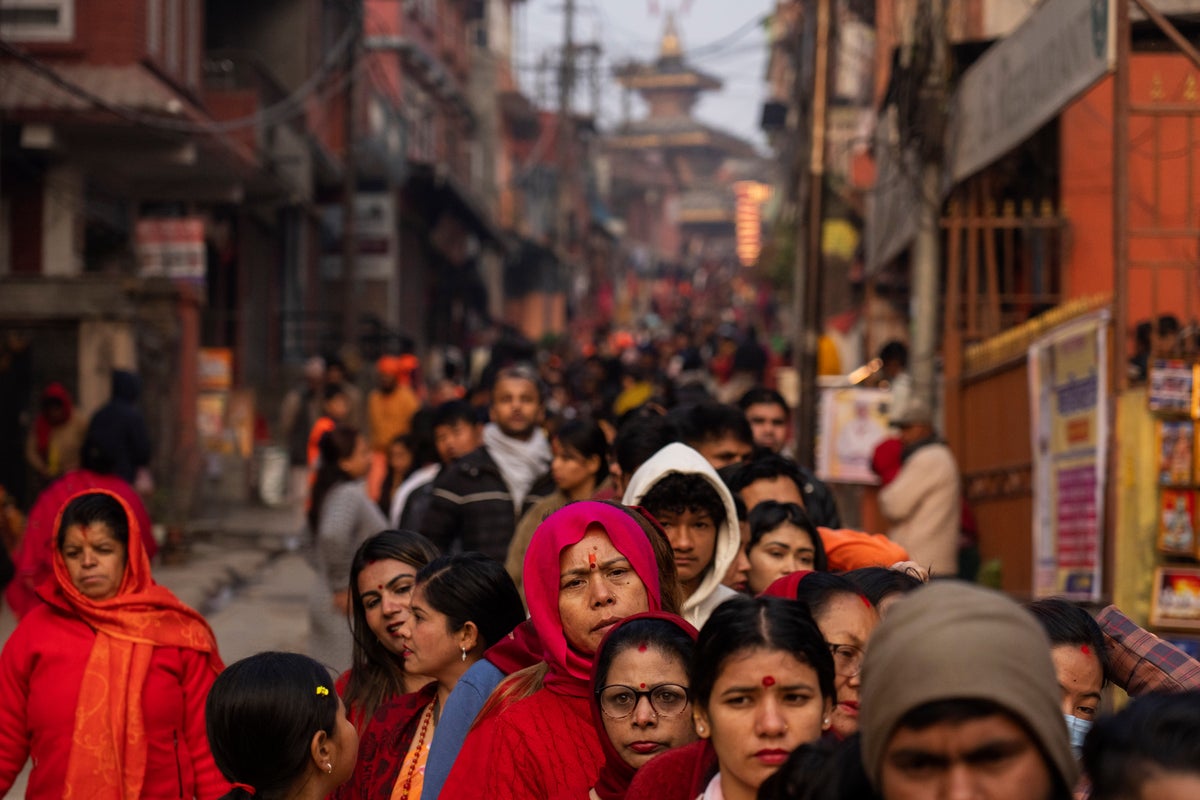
(629, 29)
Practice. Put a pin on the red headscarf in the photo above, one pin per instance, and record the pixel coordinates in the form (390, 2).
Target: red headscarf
(570, 670)
(108, 750)
(786, 586)
(518, 650)
(41, 425)
(616, 774)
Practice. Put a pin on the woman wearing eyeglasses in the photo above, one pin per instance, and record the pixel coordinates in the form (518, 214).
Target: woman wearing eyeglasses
(762, 684)
(846, 619)
(641, 702)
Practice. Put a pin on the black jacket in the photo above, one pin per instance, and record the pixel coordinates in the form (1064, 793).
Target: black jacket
(117, 440)
(472, 509)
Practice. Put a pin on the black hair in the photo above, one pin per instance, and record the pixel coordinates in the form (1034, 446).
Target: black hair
(88, 509)
(770, 514)
(522, 372)
(470, 587)
(826, 769)
(894, 352)
(1144, 333)
(332, 390)
(879, 583)
(1156, 733)
(586, 438)
(376, 674)
(1168, 325)
(335, 446)
(761, 395)
(817, 589)
(261, 715)
(764, 466)
(420, 438)
(704, 422)
(677, 492)
(453, 411)
(964, 709)
(660, 634)
(640, 437)
(750, 623)
(1066, 623)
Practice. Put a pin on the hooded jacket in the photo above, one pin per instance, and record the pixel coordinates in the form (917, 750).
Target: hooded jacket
(117, 436)
(679, 458)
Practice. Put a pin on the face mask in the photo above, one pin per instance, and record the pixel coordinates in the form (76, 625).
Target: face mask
(1078, 730)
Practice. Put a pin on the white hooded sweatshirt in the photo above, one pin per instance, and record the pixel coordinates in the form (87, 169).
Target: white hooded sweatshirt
(679, 458)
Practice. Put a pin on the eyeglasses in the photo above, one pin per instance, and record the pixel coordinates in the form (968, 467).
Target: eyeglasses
(847, 659)
(666, 699)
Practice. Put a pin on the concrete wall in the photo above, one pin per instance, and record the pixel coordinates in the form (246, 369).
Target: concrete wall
(104, 345)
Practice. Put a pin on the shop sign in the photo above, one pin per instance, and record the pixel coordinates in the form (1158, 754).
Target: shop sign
(1026, 79)
(375, 232)
(1068, 394)
(170, 247)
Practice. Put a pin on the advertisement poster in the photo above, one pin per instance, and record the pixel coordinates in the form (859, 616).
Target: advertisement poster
(1068, 387)
(852, 423)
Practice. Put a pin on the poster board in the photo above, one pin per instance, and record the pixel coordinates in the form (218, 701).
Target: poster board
(1069, 403)
(852, 423)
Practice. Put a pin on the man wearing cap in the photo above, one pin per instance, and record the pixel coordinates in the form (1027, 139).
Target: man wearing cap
(923, 503)
(960, 699)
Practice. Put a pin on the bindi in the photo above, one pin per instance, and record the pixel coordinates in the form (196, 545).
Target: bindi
(768, 681)
(642, 685)
(1087, 651)
(642, 647)
(591, 560)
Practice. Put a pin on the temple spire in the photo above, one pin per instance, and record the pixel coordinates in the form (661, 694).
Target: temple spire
(670, 47)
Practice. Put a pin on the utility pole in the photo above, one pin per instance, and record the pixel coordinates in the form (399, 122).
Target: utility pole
(566, 89)
(807, 267)
(926, 254)
(350, 183)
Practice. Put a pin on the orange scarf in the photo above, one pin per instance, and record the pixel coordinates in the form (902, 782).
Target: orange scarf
(108, 747)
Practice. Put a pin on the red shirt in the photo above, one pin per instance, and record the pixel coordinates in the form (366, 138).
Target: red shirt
(41, 669)
(544, 746)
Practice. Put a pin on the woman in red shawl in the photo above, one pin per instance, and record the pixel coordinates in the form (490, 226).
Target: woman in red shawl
(641, 702)
(461, 606)
(104, 684)
(589, 566)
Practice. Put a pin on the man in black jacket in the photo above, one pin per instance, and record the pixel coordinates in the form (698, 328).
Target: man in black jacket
(478, 499)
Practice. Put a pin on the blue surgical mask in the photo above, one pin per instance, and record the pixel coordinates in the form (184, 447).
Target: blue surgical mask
(1078, 730)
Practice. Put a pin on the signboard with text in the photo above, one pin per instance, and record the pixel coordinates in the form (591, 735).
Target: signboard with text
(1026, 79)
(1068, 387)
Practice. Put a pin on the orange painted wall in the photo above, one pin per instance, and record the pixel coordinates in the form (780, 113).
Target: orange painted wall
(1164, 190)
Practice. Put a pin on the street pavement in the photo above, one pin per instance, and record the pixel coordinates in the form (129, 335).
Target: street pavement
(244, 570)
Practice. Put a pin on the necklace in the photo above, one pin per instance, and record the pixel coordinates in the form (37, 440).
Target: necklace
(426, 718)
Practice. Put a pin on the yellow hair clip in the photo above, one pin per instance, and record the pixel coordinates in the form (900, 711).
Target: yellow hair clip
(322, 690)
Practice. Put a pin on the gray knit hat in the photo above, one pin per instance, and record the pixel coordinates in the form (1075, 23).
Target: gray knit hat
(951, 640)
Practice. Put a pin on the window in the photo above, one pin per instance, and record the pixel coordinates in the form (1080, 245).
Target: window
(37, 20)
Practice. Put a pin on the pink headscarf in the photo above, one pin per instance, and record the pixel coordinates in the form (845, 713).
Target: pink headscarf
(570, 670)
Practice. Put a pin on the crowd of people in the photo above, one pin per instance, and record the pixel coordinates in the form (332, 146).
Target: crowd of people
(586, 580)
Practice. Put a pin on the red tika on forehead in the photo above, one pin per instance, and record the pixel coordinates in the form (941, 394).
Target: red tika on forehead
(642, 647)
(866, 602)
(768, 681)
(592, 560)
(1087, 651)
